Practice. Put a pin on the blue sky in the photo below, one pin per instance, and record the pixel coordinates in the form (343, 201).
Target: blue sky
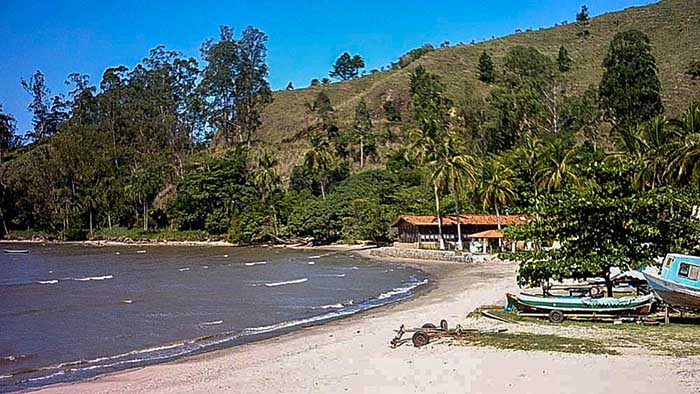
(305, 37)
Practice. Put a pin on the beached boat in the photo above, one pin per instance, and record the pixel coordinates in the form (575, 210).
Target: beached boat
(16, 251)
(637, 305)
(678, 284)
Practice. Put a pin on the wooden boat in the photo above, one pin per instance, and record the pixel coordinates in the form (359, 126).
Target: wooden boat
(678, 284)
(636, 305)
(16, 251)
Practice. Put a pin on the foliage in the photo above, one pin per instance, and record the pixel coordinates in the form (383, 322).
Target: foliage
(563, 60)
(694, 69)
(347, 67)
(605, 224)
(413, 55)
(487, 71)
(630, 91)
(582, 16)
(234, 84)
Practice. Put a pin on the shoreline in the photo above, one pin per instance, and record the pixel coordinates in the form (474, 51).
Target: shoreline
(100, 243)
(352, 354)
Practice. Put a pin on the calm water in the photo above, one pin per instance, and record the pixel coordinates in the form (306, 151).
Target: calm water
(71, 312)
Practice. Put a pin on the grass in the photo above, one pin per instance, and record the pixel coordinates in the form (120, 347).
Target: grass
(678, 339)
(670, 24)
(538, 342)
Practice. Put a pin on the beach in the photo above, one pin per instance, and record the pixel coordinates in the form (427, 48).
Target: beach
(353, 355)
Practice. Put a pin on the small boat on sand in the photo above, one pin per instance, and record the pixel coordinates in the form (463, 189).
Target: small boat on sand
(678, 284)
(635, 305)
(16, 251)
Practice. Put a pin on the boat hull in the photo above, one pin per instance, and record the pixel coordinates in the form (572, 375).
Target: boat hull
(535, 304)
(674, 294)
(16, 251)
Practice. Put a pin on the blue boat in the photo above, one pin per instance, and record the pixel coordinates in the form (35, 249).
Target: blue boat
(678, 284)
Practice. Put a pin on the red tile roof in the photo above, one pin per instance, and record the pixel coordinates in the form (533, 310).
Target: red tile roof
(463, 219)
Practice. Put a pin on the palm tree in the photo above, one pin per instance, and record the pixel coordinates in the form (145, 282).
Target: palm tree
(496, 186)
(267, 180)
(454, 170)
(556, 167)
(319, 159)
(686, 164)
(426, 148)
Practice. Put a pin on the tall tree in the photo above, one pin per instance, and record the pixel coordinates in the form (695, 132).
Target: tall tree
(39, 107)
(347, 67)
(563, 60)
(319, 160)
(235, 83)
(453, 169)
(487, 72)
(630, 91)
(496, 186)
(268, 183)
(430, 109)
(363, 129)
(8, 139)
(583, 16)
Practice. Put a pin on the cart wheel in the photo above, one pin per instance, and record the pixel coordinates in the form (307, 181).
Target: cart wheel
(556, 316)
(429, 325)
(420, 339)
(443, 324)
(595, 291)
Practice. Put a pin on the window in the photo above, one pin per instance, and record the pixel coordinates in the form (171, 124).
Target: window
(668, 262)
(694, 272)
(689, 271)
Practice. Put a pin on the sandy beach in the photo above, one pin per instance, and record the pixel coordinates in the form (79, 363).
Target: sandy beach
(352, 355)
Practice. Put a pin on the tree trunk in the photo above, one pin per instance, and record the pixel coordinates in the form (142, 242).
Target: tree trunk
(441, 240)
(109, 220)
(145, 216)
(323, 190)
(362, 152)
(90, 212)
(498, 223)
(608, 282)
(274, 220)
(459, 246)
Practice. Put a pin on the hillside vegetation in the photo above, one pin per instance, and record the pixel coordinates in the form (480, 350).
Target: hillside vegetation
(672, 26)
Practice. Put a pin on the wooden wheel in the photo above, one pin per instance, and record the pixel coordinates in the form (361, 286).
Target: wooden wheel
(556, 316)
(443, 324)
(420, 339)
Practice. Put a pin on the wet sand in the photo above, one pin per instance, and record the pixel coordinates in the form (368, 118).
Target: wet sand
(352, 355)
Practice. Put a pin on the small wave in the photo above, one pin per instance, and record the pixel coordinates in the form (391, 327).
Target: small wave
(321, 255)
(48, 282)
(289, 282)
(88, 278)
(311, 263)
(212, 323)
(256, 263)
(184, 269)
(225, 255)
(127, 301)
(355, 268)
(329, 306)
(140, 251)
(401, 290)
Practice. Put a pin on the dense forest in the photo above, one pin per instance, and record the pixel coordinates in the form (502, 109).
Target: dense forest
(169, 149)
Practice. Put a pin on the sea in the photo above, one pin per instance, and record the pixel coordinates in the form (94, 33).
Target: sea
(71, 312)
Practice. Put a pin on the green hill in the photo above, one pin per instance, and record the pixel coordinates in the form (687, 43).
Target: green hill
(672, 25)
